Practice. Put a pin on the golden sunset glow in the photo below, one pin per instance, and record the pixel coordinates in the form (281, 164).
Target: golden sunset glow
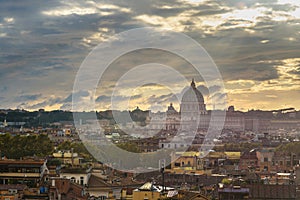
(255, 45)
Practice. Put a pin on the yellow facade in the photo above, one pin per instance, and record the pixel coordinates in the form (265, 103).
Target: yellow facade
(186, 162)
(143, 195)
(67, 132)
(7, 197)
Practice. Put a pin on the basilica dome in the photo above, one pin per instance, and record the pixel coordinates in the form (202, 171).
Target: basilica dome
(192, 95)
(192, 102)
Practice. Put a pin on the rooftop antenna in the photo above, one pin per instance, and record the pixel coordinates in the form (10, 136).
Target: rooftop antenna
(162, 165)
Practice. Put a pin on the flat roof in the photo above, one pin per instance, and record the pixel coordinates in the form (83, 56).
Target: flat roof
(20, 175)
(234, 190)
(22, 162)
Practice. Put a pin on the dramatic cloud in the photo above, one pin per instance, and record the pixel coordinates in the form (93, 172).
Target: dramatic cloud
(28, 97)
(254, 43)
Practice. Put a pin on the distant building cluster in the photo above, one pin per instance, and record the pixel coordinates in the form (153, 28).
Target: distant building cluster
(255, 156)
(193, 107)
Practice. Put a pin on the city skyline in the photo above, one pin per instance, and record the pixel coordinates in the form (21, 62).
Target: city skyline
(255, 45)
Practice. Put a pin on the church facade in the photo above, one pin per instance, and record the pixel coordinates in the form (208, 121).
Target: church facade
(193, 112)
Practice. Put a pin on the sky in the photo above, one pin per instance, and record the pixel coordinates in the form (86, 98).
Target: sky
(255, 45)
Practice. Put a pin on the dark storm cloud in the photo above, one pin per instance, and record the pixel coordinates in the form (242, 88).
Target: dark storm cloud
(37, 45)
(219, 97)
(283, 7)
(45, 103)
(239, 54)
(162, 99)
(103, 98)
(50, 48)
(150, 84)
(126, 62)
(212, 90)
(79, 94)
(116, 98)
(3, 89)
(248, 3)
(203, 89)
(28, 97)
(210, 11)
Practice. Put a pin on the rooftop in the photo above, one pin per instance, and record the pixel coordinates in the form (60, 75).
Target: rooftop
(22, 162)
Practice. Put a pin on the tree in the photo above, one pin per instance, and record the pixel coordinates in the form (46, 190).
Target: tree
(290, 148)
(20, 146)
(129, 146)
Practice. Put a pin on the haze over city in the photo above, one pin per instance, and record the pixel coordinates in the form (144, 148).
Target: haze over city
(150, 99)
(255, 45)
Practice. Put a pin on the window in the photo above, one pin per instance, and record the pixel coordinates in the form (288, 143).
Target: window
(281, 162)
